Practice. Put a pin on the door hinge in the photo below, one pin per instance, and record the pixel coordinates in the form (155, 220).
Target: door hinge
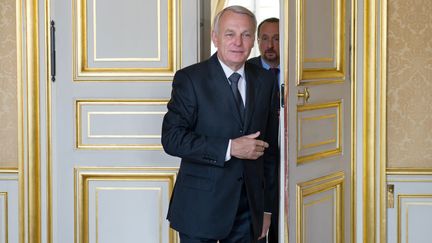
(390, 196)
(53, 51)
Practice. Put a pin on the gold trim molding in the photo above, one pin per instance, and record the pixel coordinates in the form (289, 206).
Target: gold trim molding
(328, 153)
(370, 181)
(354, 115)
(78, 132)
(326, 183)
(9, 171)
(20, 19)
(383, 120)
(314, 76)
(33, 166)
(409, 171)
(82, 71)
(84, 175)
(399, 212)
(5, 216)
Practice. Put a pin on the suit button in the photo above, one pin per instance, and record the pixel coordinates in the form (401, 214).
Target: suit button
(241, 131)
(240, 179)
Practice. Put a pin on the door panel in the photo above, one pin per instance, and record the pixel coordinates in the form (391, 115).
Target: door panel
(111, 180)
(318, 121)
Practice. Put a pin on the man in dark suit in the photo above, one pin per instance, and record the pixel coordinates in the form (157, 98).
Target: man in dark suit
(222, 123)
(268, 42)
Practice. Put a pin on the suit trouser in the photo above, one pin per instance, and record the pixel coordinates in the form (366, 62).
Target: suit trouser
(273, 234)
(241, 231)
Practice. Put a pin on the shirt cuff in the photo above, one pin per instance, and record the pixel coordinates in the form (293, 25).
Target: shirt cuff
(228, 152)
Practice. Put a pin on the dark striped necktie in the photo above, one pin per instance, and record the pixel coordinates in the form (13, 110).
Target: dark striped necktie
(234, 79)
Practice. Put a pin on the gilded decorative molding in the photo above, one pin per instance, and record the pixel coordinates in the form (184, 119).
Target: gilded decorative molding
(4, 217)
(369, 122)
(32, 165)
(354, 115)
(383, 121)
(403, 212)
(117, 141)
(160, 67)
(333, 182)
(20, 97)
(336, 140)
(409, 171)
(83, 176)
(321, 75)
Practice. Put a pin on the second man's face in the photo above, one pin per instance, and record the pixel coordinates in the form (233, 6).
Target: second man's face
(268, 42)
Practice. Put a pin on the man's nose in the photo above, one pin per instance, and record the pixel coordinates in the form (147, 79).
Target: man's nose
(270, 43)
(238, 40)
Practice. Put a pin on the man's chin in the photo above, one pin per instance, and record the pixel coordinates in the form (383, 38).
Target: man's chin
(271, 57)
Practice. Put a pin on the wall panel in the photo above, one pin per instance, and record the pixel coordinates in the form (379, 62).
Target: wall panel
(409, 218)
(8, 86)
(409, 84)
(8, 207)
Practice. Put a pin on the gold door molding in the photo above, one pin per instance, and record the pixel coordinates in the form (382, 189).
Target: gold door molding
(92, 182)
(100, 124)
(327, 192)
(328, 118)
(105, 54)
(327, 64)
(407, 204)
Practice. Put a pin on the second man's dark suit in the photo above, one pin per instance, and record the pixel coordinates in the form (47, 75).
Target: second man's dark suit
(256, 61)
(273, 234)
(201, 118)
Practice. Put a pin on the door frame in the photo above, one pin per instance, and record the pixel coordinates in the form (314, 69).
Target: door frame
(369, 119)
(373, 127)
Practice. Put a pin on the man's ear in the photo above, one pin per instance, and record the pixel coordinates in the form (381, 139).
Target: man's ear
(214, 38)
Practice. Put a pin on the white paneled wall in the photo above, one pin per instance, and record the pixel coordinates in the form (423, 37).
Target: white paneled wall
(410, 219)
(8, 207)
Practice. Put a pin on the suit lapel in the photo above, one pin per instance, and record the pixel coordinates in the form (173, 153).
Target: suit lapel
(220, 83)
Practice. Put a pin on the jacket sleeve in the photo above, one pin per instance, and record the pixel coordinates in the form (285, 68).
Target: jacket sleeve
(178, 135)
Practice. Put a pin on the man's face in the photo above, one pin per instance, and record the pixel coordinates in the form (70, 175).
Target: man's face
(234, 39)
(268, 42)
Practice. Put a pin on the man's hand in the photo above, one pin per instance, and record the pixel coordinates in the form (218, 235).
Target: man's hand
(248, 147)
(266, 225)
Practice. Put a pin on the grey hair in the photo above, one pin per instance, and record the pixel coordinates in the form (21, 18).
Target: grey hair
(236, 9)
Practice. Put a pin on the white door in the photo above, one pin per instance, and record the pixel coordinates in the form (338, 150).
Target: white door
(317, 120)
(110, 180)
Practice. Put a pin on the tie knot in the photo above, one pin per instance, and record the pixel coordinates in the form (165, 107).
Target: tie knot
(234, 78)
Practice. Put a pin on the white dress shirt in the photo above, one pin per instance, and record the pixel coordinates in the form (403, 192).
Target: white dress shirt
(242, 89)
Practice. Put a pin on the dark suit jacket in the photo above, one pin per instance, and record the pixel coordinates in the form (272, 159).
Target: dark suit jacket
(256, 61)
(201, 118)
(273, 234)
